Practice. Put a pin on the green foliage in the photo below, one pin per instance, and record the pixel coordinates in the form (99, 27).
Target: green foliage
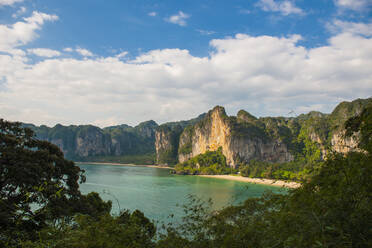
(186, 135)
(38, 185)
(311, 153)
(185, 149)
(362, 123)
(293, 171)
(346, 110)
(208, 163)
(168, 157)
(132, 230)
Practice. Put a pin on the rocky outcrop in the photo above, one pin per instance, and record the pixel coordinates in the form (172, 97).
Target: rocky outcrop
(218, 130)
(87, 141)
(343, 144)
(91, 141)
(166, 144)
(242, 138)
(272, 139)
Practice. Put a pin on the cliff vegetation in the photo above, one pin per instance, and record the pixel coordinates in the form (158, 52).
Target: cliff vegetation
(271, 147)
(209, 163)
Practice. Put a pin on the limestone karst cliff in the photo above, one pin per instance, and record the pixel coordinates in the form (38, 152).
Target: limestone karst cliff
(238, 138)
(273, 139)
(242, 137)
(86, 141)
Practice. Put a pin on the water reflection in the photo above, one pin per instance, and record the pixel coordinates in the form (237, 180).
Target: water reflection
(158, 193)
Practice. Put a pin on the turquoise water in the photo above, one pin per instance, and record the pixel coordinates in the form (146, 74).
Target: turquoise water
(158, 193)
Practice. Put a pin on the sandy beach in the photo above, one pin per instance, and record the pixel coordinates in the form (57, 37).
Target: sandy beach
(135, 165)
(271, 182)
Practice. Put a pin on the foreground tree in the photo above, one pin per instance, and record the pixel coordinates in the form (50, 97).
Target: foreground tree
(38, 186)
(128, 230)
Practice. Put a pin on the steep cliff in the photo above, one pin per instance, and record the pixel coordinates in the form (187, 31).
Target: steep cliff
(240, 139)
(167, 140)
(166, 144)
(87, 141)
(272, 139)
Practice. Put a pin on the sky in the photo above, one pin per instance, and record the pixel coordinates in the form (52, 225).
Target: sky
(113, 62)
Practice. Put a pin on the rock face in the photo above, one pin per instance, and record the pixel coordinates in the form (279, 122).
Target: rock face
(166, 144)
(91, 141)
(344, 145)
(167, 140)
(242, 138)
(87, 141)
(273, 139)
(217, 130)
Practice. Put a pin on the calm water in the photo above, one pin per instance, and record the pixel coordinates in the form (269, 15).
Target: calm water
(158, 193)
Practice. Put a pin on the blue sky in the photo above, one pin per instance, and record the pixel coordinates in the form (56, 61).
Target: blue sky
(112, 62)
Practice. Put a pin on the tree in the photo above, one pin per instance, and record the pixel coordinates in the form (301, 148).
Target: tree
(38, 186)
(128, 230)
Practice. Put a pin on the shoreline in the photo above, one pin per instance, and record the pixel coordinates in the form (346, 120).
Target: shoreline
(271, 182)
(122, 164)
(264, 181)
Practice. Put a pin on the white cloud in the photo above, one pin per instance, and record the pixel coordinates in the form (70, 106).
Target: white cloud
(152, 13)
(19, 12)
(338, 26)
(179, 19)
(84, 52)
(68, 49)
(20, 33)
(44, 52)
(122, 54)
(9, 2)
(205, 32)
(266, 75)
(285, 7)
(353, 4)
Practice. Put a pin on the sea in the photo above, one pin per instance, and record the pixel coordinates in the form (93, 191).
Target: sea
(161, 195)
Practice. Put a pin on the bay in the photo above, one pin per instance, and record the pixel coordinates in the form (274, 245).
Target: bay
(158, 193)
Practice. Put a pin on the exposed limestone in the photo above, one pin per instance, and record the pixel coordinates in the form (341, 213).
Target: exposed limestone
(343, 144)
(166, 144)
(272, 139)
(216, 131)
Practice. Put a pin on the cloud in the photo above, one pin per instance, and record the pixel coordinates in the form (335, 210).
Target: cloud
(9, 2)
(19, 12)
(205, 32)
(284, 7)
(68, 49)
(122, 54)
(179, 19)
(44, 52)
(152, 13)
(266, 75)
(338, 26)
(353, 4)
(20, 33)
(84, 52)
